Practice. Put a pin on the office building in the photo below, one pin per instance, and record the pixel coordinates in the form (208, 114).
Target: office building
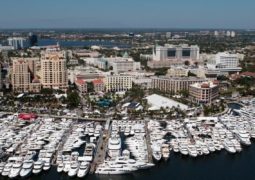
(174, 85)
(116, 83)
(224, 62)
(204, 92)
(54, 70)
(165, 56)
(16, 42)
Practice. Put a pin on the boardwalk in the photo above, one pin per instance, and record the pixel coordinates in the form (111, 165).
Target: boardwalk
(148, 142)
(101, 150)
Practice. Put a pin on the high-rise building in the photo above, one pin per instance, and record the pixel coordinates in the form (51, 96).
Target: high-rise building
(16, 42)
(54, 70)
(23, 75)
(33, 40)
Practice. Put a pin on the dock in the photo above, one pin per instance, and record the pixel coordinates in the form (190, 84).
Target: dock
(101, 150)
(148, 142)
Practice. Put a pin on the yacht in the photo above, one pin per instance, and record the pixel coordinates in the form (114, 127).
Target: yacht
(228, 145)
(156, 152)
(89, 152)
(114, 146)
(60, 168)
(2, 164)
(27, 168)
(192, 150)
(237, 145)
(15, 170)
(183, 149)
(116, 169)
(38, 167)
(83, 169)
(7, 169)
(67, 166)
(165, 151)
(46, 166)
(243, 137)
(73, 169)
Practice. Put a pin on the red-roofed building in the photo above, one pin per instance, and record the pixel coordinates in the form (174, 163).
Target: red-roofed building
(81, 85)
(98, 85)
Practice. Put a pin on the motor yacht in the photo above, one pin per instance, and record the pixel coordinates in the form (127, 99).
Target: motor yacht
(38, 167)
(228, 145)
(114, 146)
(15, 170)
(83, 169)
(165, 151)
(73, 169)
(27, 168)
(60, 167)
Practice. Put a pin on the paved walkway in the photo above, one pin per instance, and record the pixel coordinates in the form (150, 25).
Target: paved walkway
(101, 150)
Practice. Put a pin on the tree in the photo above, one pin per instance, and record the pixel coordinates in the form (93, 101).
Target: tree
(73, 99)
(187, 63)
(47, 91)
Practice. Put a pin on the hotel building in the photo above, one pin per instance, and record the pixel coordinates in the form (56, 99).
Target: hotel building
(54, 70)
(174, 84)
(116, 83)
(23, 75)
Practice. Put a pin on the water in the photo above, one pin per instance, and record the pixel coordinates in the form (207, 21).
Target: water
(234, 106)
(74, 43)
(220, 165)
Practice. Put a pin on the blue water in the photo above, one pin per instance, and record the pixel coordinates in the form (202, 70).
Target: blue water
(73, 43)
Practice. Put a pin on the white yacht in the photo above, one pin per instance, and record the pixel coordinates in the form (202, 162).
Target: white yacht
(114, 146)
(228, 145)
(113, 169)
(89, 152)
(2, 164)
(243, 137)
(38, 167)
(7, 169)
(67, 166)
(15, 170)
(73, 169)
(27, 168)
(83, 169)
(60, 168)
(165, 151)
(237, 145)
(192, 150)
(156, 152)
(46, 166)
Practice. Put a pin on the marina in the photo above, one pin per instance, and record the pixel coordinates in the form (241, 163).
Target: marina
(117, 147)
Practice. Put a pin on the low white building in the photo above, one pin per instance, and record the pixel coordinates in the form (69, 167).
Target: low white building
(156, 102)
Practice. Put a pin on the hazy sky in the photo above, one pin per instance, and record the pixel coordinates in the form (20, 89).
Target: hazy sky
(127, 13)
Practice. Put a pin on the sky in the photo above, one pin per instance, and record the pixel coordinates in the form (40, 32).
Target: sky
(234, 14)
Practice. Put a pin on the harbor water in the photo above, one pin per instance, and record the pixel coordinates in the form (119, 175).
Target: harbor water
(220, 165)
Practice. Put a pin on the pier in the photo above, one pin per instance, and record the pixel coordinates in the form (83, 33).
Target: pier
(101, 148)
(148, 142)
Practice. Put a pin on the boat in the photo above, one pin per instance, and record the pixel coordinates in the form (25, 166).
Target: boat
(83, 169)
(38, 167)
(7, 169)
(114, 146)
(15, 170)
(156, 152)
(228, 145)
(67, 166)
(27, 168)
(2, 164)
(165, 151)
(73, 169)
(60, 168)
(192, 151)
(243, 137)
(46, 166)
